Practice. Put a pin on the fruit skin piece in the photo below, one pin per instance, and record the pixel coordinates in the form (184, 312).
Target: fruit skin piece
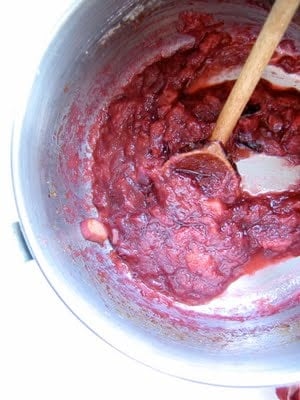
(288, 393)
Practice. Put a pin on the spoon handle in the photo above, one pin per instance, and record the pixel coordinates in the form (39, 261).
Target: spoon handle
(274, 27)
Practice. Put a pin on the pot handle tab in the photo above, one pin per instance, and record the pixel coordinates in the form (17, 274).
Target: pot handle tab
(22, 245)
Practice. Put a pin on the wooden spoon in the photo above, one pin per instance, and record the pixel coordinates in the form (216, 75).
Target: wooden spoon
(274, 27)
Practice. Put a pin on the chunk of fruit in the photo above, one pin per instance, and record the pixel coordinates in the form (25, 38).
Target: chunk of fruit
(94, 230)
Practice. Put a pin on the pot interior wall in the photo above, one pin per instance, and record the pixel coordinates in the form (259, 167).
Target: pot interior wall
(85, 65)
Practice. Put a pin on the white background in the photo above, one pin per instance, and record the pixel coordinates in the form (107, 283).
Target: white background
(45, 352)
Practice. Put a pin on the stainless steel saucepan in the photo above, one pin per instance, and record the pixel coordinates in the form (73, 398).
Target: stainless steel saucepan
(249, 336)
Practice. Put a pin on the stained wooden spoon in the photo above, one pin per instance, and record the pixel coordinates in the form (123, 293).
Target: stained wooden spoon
(256, 170)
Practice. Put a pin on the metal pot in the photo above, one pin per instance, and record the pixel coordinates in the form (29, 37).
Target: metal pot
(222, 343)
